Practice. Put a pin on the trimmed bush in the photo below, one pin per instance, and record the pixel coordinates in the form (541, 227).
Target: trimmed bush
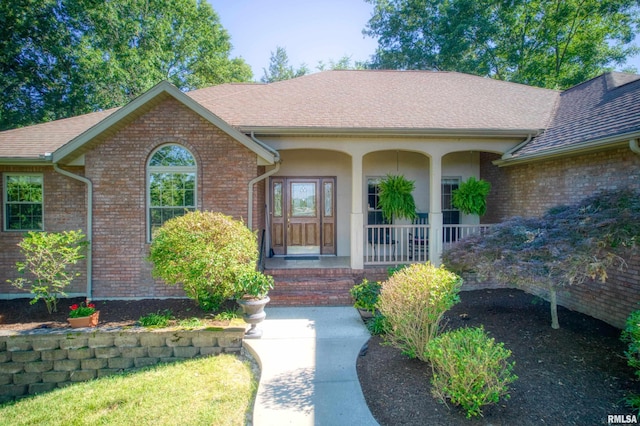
(413, 301)
(204, 252)
(470, 369)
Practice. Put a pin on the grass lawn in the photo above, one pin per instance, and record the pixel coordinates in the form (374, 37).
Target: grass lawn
(217, 390)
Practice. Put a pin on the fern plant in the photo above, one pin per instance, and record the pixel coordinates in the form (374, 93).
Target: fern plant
(471, 196)
(396, 198)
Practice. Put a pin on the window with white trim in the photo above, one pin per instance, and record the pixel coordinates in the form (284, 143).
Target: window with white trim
(171, 185)
(23, 207)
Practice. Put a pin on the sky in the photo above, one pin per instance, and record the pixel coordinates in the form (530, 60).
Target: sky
(309, 30)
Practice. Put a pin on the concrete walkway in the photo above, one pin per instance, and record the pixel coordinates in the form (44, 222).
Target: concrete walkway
(308, 360)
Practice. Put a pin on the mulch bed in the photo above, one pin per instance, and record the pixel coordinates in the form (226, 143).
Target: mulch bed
(576, 375)
(573, 376)
(19, 315)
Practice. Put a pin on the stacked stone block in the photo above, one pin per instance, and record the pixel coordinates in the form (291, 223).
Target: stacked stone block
(41, 362)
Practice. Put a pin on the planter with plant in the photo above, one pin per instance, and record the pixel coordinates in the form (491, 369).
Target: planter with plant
(471, 196)
(252, 288)
(83, 315)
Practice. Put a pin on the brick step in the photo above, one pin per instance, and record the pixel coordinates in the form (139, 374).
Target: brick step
(316, 286)
(304, 298)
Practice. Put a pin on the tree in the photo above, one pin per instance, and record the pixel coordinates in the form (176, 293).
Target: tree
(61, 58)
(566, 246)
(546, 43)
(279, 68)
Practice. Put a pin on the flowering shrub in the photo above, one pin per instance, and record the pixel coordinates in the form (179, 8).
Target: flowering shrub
(78, 311)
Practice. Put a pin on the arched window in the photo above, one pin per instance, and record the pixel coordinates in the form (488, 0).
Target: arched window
(171, 185)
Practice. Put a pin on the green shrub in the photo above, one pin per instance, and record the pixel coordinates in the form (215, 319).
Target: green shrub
(365, 295)
(470, 369)
(413, 301)
(204, 252)
(158, 319)
(48, 256)
(378, 325)
(631, 336)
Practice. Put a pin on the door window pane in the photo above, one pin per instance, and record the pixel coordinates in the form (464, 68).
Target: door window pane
(303, 199)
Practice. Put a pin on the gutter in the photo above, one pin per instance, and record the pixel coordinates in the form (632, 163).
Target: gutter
(633, 146)
(509, 153)
(89, 223)
(277, 161)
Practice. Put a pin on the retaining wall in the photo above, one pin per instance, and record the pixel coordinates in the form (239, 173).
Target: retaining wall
(44, 360)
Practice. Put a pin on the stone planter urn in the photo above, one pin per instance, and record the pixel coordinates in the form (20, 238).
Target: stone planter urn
(82, 322)
(253, 313)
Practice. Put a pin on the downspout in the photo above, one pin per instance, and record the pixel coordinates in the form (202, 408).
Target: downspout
(633, 146)
(276, 157)
(89, 223)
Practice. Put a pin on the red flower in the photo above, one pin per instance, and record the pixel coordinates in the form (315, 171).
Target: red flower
(74, 307)
(91, 305)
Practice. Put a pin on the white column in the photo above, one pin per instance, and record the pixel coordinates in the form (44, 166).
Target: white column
(435, 209)
(357, 217)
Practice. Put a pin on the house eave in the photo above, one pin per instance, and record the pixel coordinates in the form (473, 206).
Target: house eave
(24, 161)
(587, 147)
(395, 131)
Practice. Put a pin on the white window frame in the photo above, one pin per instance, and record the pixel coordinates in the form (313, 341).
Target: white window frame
(6, 203)
(169, 169)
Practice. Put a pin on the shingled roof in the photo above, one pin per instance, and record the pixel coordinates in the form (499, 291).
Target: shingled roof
(602, 110)
(334, 101)
(382, 100)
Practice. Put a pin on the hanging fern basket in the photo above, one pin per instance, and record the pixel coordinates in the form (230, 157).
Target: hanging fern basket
(471, 196)
(396, 198)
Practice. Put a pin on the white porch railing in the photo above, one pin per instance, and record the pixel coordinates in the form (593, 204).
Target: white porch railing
(399, 244)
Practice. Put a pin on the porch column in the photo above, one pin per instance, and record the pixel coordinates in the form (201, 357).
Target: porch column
(435, 209)
(357, 217)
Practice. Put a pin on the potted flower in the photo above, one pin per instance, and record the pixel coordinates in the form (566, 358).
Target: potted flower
(252, 288)
(83, 315)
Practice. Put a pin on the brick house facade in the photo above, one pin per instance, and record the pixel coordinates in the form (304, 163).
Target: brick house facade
(538, 148)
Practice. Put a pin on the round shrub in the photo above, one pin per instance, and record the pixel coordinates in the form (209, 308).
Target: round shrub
(413, 301)
(470, 369)
(204, 252)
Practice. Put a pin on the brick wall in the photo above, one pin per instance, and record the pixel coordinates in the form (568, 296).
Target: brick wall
(36, 363)
(116, 165)
(64, 209)
(531, 189)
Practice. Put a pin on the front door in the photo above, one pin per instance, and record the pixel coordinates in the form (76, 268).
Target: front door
(302, 216)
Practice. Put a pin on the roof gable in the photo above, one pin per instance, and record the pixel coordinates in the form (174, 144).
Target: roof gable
(142, 104)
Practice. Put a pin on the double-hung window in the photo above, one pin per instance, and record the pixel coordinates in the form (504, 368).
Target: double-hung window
(171, 185)
(23, 194)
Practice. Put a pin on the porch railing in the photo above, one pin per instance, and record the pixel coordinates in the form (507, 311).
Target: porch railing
(399, 244)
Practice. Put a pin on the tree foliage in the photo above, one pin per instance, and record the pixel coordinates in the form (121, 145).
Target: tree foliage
(566, 246)
(280, 69)
(61, 58)
(546, 43)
